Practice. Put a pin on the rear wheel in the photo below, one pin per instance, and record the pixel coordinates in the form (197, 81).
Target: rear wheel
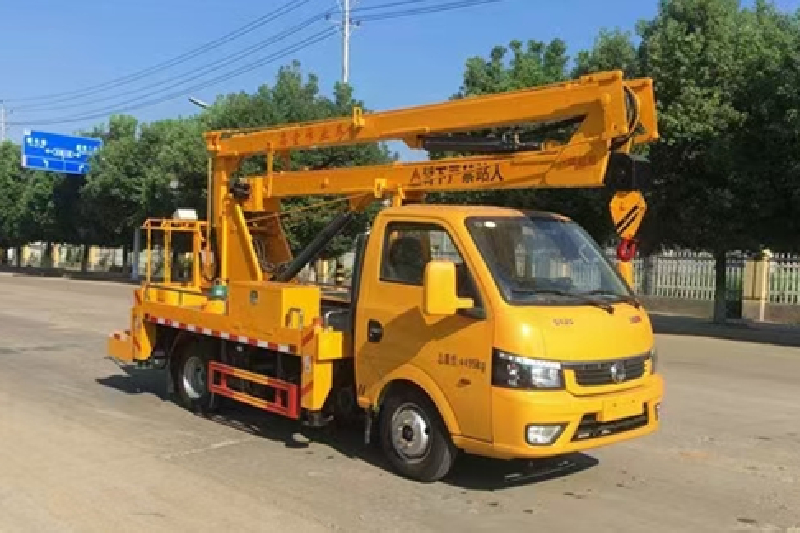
(414, 437)
(191, 379)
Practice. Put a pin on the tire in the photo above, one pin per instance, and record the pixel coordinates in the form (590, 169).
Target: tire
(190, 377)
(342, 403)
(414, 438)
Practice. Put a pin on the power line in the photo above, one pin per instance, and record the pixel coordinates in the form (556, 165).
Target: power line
(196, 72)
(90, 90)
(103, 112)
(48, 106)
(235, 34)
(347, 22)
(425, 10)
(390, 4)
(99, 113)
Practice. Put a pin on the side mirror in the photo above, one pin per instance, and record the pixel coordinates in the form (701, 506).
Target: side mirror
(440, 296)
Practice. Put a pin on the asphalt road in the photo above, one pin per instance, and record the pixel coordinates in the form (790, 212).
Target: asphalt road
(87, 446)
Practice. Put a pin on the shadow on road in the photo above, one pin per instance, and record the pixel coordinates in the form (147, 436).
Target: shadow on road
(469, 472)
(698, 327)
(479, 473)
(136, 381)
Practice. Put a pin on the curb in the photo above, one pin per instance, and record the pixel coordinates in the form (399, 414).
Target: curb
(734, 323)
(766, 326)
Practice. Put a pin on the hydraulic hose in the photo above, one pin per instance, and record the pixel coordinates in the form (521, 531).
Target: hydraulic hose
(214, 246)
(633, 119)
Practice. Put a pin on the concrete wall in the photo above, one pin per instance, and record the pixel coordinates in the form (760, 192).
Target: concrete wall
(784, 314)
(679, 306)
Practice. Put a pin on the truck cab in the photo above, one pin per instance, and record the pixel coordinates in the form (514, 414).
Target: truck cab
(497, 332)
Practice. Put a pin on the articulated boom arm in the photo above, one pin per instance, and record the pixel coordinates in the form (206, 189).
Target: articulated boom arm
(611, 114)
(600, 98)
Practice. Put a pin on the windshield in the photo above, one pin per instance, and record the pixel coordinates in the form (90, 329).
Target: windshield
(544, 260)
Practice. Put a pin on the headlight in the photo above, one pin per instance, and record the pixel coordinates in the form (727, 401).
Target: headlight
(517, 372)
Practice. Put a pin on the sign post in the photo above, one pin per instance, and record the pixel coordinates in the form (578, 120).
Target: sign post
(53, 152)
(137, 248)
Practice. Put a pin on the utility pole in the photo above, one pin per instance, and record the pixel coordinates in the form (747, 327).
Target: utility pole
(2, 121)
(347, 24)
(346, 40)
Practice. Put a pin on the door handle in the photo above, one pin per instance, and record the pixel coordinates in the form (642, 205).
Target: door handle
(374, 331)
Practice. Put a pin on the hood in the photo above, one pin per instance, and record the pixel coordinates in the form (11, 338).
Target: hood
(574, 333)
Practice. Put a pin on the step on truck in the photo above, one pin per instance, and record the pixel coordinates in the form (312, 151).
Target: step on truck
(482, 330)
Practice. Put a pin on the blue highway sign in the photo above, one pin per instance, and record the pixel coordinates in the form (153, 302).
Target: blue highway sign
(58, 153)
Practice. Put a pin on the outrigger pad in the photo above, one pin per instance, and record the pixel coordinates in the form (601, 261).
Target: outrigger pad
(626, 172)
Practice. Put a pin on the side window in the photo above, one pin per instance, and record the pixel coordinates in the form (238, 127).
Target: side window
(408, 247)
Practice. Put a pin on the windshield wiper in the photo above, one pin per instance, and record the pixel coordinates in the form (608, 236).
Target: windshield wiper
(623, 298)
(559, 292)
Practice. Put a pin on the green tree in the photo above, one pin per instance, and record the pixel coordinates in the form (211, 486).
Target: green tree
(768, 158)
(11, 186)
(34, 206)
(719, 76)
(36, 210)
(613, 50)
(113, 197)
(174, 166)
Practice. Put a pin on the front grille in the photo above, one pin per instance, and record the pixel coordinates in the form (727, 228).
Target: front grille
(590, 428)
(608, 372)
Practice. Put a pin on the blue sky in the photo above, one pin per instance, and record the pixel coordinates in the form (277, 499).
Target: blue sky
(51, 46)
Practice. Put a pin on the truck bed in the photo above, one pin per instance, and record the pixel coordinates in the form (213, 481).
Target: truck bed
(337, 295)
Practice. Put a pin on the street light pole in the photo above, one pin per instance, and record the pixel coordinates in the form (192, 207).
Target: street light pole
(346, 41)
(198, 102)
(346, 24)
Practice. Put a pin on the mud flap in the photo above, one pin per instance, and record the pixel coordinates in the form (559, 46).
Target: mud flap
(170, 382)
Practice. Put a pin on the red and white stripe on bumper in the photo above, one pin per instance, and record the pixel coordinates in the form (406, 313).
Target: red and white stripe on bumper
(285, 348)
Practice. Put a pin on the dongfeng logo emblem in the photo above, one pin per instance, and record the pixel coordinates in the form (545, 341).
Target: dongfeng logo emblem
(618, 374)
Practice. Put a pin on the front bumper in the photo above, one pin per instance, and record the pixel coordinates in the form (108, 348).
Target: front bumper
(590, 421)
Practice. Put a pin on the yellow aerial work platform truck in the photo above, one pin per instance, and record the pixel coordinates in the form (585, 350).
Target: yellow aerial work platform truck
(483, 330)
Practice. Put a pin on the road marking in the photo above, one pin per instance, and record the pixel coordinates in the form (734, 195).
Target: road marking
(215, 446)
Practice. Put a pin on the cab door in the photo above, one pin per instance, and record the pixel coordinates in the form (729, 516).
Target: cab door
(392, 331)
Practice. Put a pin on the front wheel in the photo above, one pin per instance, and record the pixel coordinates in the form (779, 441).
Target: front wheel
(414, 438)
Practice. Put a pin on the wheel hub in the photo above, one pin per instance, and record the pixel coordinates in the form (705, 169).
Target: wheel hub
(410, 432)
(194, 377)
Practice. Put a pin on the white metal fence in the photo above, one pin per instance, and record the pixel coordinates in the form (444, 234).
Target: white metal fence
(784, 280)
(691, 276)
(686, 275)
